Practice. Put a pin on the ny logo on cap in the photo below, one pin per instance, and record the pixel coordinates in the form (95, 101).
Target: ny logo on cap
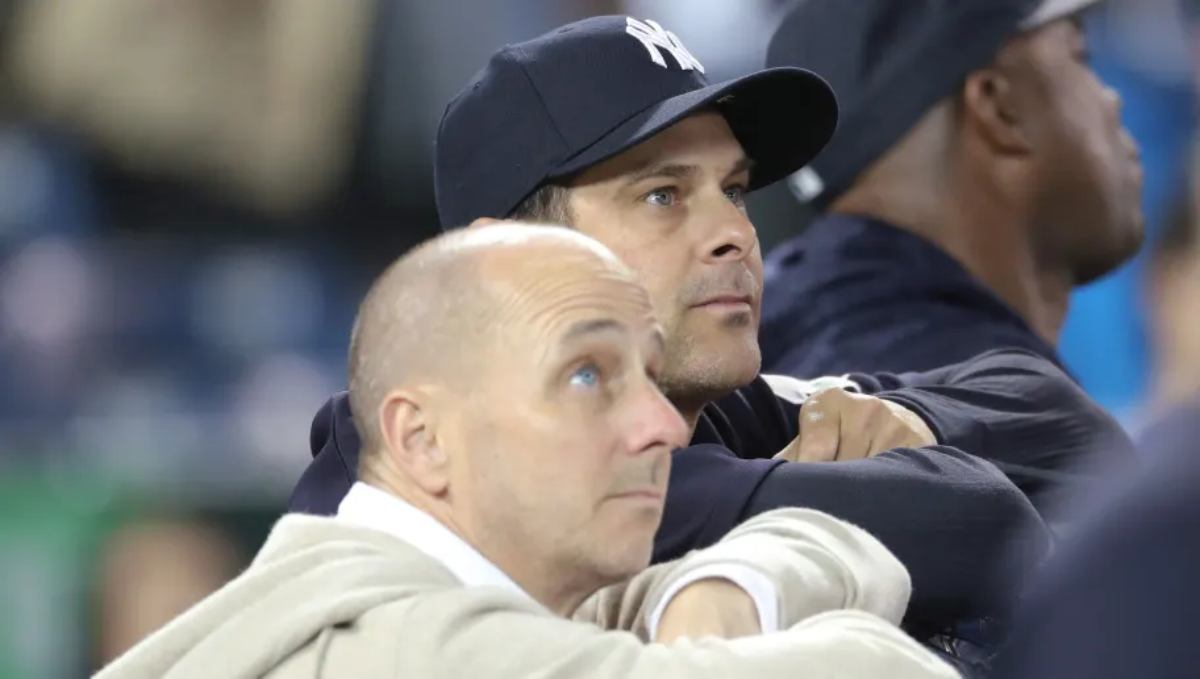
(656, 39)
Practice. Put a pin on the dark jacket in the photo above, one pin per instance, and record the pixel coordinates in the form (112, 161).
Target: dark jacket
(1120, 598)
(856, 294)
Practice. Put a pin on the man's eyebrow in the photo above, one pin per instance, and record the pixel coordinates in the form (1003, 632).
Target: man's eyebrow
(591, 327)
(668, 170)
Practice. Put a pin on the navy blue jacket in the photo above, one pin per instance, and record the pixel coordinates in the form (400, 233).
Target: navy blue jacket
(855, 294)
(964, 531)
(1120, 599)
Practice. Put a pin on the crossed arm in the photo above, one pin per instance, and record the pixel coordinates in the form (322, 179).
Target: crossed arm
(839, 595)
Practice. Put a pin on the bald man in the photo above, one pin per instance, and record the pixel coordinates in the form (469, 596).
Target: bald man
(516, 450)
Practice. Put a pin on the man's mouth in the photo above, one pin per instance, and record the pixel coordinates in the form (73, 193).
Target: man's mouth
(647, 494)
(726, 302)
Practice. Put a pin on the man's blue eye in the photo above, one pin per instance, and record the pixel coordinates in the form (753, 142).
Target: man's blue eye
(587, 376)
(661, 197)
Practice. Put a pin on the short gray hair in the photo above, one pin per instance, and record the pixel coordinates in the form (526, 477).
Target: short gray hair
(549, 204)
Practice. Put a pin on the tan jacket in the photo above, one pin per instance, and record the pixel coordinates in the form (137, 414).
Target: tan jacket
(325, 599)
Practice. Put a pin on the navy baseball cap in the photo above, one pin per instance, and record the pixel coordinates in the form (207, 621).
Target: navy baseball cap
(890, 61)
(552, 106)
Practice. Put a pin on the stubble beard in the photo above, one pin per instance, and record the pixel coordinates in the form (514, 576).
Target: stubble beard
(699, 371)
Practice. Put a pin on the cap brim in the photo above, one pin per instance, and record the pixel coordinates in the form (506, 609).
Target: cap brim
(1053, 10)
(781, 116)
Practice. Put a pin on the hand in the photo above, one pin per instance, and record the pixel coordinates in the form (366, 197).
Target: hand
(837, 425)
(709, 607)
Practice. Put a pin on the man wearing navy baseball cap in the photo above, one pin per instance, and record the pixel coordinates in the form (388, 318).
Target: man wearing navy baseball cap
(979, 173)
(608, 126)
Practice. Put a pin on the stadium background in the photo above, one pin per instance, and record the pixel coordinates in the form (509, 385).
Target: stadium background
(195, 193)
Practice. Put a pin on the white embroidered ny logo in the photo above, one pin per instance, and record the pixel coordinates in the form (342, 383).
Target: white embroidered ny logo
(656, 39)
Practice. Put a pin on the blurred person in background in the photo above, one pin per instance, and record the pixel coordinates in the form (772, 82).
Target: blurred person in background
(1173, 302)
(473, 546)
(151, 571)
(654, 162)
(254, 98)
(1119, 597)
(980, 173)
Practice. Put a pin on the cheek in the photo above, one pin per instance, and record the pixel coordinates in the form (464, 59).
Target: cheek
(1087, 122)
(1080, 145)
(565, 453)
(755, 263)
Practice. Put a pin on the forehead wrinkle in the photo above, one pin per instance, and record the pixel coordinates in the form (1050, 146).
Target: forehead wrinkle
(538, 295)
(583, 329)
(615, 307)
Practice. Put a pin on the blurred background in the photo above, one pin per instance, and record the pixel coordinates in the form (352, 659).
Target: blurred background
(195, 193)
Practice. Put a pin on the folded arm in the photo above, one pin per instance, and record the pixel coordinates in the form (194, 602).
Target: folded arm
(962, 530)
(811, 562)
(489, 640)
(1019, 411)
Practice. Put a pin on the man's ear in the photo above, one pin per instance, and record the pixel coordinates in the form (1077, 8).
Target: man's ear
(993, 108)
(408, 427)
(485, 221)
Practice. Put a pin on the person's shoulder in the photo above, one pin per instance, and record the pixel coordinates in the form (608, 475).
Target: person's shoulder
(815, 255)
(1126, 571)
(367, 646)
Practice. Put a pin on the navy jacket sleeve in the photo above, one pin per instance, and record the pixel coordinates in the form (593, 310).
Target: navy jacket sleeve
(966, 535)
(965, 532)
(1019, 411)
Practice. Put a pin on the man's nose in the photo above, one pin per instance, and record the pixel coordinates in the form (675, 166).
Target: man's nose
(730, 235)
(655, 422)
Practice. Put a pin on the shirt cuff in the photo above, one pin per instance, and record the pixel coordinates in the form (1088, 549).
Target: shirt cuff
(760, 588)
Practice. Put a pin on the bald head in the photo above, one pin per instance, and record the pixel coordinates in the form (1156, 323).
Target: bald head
(439, 312)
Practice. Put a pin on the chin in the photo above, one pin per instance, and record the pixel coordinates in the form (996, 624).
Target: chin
(630, 544)
(625, 561)
(1122, 246)
(740, 360)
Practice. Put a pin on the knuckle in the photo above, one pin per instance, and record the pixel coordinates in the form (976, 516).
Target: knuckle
(832, 394)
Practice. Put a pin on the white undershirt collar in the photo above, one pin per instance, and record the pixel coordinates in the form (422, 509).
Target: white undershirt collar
(369, 507)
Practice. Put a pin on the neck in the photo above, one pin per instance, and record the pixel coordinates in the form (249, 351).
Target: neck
(562, 598)
(542, 581)
(560, 588)
(982, 232)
